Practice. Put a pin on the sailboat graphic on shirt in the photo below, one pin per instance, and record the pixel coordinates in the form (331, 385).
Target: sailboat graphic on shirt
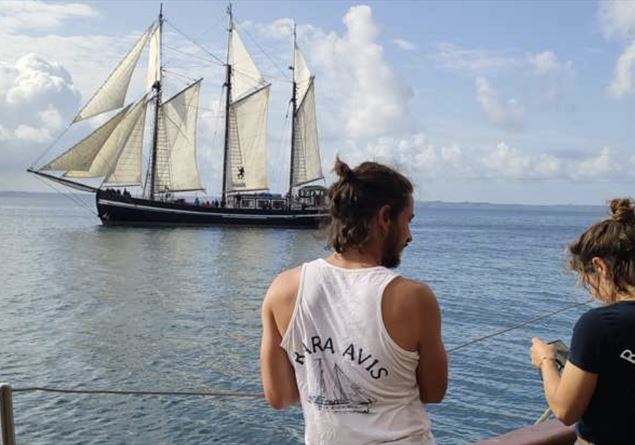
(337, 393)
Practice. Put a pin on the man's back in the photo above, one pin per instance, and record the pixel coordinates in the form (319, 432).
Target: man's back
(355, 383)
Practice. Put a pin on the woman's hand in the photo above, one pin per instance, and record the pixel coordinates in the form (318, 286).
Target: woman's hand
(540, 351)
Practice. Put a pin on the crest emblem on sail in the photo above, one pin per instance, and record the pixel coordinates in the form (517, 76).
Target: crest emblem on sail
(307, 166)
(246, 163)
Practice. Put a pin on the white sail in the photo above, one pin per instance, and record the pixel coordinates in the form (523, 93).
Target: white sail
(154, 59)
(107, 157)
(247, 138)
(178, 121)
(81, 155)
(245, 74)
(112, 93)
(301, 74)
(127, 171)
(307, 166)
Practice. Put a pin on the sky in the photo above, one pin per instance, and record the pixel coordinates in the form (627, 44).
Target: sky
(482, 101)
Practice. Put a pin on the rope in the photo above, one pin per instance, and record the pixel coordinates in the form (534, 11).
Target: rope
(72, 197)
(518, 326)
(141, 393)
(285, 74)
(214, 56)
(544, 416)
(51, 145)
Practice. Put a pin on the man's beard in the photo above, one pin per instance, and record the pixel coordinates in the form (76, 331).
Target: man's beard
(392, 250)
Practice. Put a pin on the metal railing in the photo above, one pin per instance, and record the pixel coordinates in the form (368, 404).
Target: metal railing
(6, 415)
(548, 433)
(6, 402)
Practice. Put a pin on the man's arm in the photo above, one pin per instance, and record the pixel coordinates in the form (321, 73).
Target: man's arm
(278, 377)
(413, 320)
(432, 371)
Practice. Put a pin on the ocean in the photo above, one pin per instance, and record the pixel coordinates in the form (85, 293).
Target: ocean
(84, 306)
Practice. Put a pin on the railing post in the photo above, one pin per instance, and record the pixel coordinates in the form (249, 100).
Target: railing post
(6, 415)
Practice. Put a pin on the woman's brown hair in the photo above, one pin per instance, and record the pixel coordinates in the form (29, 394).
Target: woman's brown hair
(613, 240)
(357, 196)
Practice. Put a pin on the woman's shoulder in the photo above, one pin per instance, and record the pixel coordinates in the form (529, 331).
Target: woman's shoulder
(599, 317)
(592, 320)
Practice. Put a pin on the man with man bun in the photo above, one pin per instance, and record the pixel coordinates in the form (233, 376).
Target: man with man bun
(358, 345)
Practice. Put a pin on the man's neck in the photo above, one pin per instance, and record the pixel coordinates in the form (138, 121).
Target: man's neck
(355, 259)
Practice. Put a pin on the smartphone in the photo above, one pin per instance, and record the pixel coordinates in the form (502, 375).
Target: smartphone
(562, 353)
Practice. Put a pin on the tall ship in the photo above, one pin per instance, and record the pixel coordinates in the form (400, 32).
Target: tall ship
(109, 160)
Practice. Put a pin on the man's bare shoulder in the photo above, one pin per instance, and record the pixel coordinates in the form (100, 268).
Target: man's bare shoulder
(410, 291)
(284, 287)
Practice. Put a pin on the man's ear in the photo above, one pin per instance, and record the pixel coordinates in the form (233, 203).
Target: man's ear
(383, 217)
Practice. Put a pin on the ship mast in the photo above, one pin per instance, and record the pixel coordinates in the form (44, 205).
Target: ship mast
(294, 100)
(228, 85)
(157, 105)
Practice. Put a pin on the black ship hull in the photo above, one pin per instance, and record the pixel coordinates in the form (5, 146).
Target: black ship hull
(115, 209)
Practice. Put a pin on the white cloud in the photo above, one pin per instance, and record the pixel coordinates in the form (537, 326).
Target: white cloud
(547, 62)
(32, 134)
(455, 58)
(372, 98)
(278, 29)
(51, 117)
(38, 15)
(622, 82)
(601, 166)
(553, 75)
(617, 18)
(405, 44)
(422, 161)
(5, 134)
(415, 155)
(35, 97)
(504, 161)
(507, 114)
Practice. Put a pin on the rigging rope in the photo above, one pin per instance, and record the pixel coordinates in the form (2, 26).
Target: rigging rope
(51, 145)
(214, 56)
(185, 54)
(518, 326)
(76, 200)
(285, 75)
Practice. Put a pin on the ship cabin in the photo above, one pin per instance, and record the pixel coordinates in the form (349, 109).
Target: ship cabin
(257, 201)
(311, 196)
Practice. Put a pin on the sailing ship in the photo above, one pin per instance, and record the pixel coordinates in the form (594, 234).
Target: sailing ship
(340, 394)
(112, 154)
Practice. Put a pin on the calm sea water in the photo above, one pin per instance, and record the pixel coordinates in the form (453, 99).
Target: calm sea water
(85, 306)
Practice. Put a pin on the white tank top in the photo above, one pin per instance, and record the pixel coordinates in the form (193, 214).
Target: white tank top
(357, 386)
